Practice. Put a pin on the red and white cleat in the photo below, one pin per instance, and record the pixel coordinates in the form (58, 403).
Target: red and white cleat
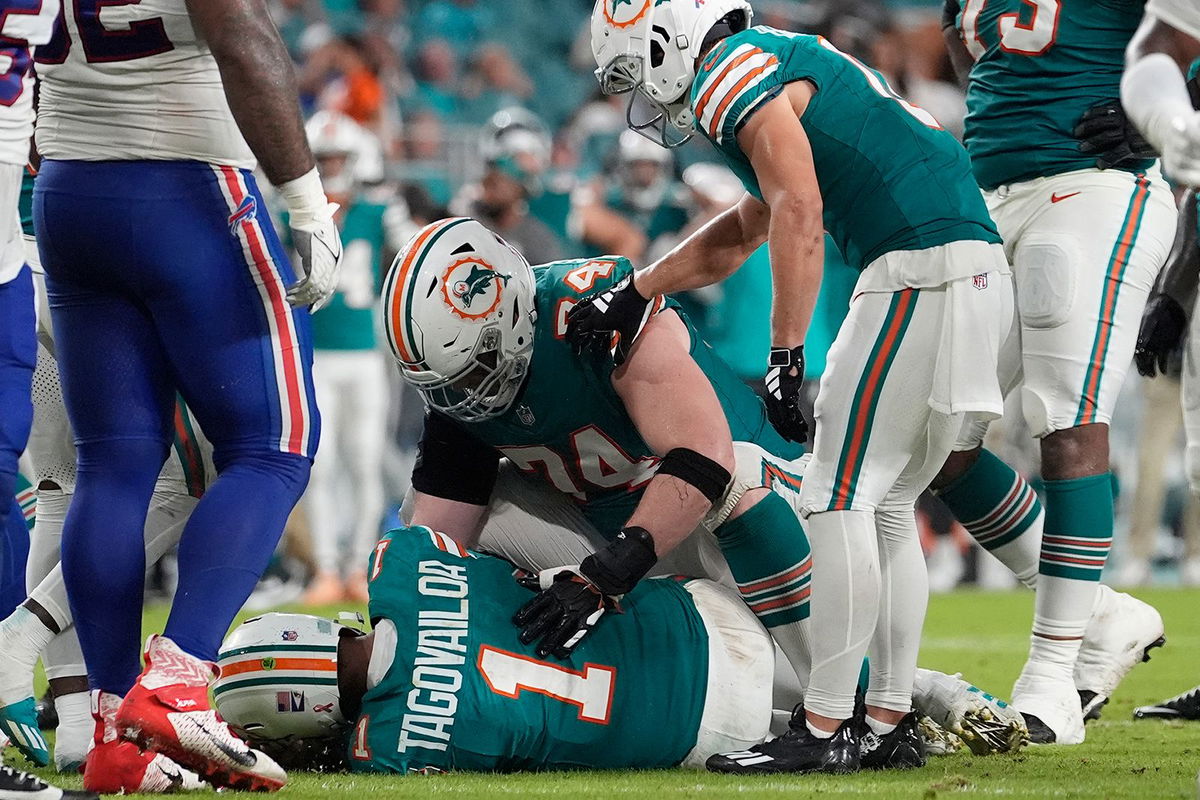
(118, 767)
(167, 711)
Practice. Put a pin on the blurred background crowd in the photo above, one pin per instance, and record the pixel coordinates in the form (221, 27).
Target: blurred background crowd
(424, 108)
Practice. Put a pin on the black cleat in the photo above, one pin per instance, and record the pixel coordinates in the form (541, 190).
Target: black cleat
(796, 751)
(47, 714)
(1091, 704)
(1039, 732)
(903, 748)
(1184, 706)
(16, 785)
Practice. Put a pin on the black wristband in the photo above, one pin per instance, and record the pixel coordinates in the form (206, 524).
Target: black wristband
(618, 567)
(709, 477)
(950, 14)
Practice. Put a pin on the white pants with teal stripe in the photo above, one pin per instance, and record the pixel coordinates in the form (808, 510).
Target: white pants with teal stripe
(907, 371)
(1085, 247)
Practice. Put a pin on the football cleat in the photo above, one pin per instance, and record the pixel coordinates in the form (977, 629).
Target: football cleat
(167, 711)
(796, 751)
(118, 767)
(983, 723)
(18, 722)
(903, 748)
(1185, 706)
(16, 785)
(1049, 704)
(938, 740)
(1120, 635)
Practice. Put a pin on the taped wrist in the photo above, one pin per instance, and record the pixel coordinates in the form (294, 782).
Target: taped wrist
(304, 196)
(707, 476)
(618, 567)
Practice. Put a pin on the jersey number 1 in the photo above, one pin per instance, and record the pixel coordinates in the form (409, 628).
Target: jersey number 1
(590, 691)
(1031, 39)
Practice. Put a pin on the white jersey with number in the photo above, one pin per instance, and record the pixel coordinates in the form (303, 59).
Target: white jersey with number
(1183, 15)
(24, 24)
(134, 82)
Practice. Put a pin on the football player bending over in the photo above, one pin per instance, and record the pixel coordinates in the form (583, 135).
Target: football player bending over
(444, 682)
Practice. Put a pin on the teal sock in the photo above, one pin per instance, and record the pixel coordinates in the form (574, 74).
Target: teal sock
(1079, 527)
(1001, 511)
(769, 556)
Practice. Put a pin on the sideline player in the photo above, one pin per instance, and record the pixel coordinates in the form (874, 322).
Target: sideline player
(443, 683)
(1085, 232)
(915, 357)
(345, 495)
(177, 283)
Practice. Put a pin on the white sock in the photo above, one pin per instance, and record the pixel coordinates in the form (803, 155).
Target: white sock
(845, 607)
(1061, 611)
(817, 732)
(880, 728)
(1022, 555)
(22, 637)
(73, 737)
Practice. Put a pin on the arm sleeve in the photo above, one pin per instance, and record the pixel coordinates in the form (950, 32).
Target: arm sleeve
(454, 465)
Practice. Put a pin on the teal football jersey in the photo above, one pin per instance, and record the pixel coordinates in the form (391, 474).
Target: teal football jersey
(1040, 64)
(348, 321)
(569, 426)
(463, 692)
(890, 177)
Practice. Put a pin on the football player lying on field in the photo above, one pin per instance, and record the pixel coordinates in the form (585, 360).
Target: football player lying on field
(445, 682)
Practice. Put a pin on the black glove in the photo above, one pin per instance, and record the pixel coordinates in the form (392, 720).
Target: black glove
(1164, 323)
(783, 393)
(620, 309)
(1105, 132)
(573, 599)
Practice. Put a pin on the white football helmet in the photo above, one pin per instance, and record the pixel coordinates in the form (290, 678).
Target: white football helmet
(649, 48)
(515, 130)
(333, 134)
(459, 309)
(279, 678)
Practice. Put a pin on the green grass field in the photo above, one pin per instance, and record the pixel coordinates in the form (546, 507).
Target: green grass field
(982, 635)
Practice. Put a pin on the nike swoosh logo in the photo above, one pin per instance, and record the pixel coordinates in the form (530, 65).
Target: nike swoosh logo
(1058, 198)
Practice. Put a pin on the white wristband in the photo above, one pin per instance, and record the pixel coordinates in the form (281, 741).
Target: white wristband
(1155, 97)
(304, 196)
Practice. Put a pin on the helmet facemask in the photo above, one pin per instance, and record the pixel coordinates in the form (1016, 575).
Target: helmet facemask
(484, 388)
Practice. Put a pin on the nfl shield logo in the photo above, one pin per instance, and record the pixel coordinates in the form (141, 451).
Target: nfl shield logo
(525, 415)
(288, 702)
(979, 281)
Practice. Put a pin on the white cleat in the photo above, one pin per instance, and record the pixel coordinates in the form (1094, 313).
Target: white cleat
(1120, 635)
(1050, 705)
(984, 723)
(938, 740)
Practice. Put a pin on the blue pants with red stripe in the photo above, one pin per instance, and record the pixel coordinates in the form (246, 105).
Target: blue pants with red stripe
(166, 277)
(18, 352)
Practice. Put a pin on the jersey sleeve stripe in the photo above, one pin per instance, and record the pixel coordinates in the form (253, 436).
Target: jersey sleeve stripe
(737, 57)
(748, 81)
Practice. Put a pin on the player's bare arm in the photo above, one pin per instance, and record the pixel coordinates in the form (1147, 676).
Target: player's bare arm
(778, 149)
(461, 521)
(1165, 319)
(960, 58)
(673, 406)
(260, 83)
(608, 231)
(260, 86)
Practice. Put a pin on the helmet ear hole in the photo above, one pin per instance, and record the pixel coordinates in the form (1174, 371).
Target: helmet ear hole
(657, 54)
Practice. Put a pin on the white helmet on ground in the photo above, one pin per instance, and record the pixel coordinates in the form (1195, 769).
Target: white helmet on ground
(651, 46)
(459, 309)
(279, 678)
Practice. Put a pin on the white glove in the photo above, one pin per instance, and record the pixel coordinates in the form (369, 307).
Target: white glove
(1181, 150)
(316, 239)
